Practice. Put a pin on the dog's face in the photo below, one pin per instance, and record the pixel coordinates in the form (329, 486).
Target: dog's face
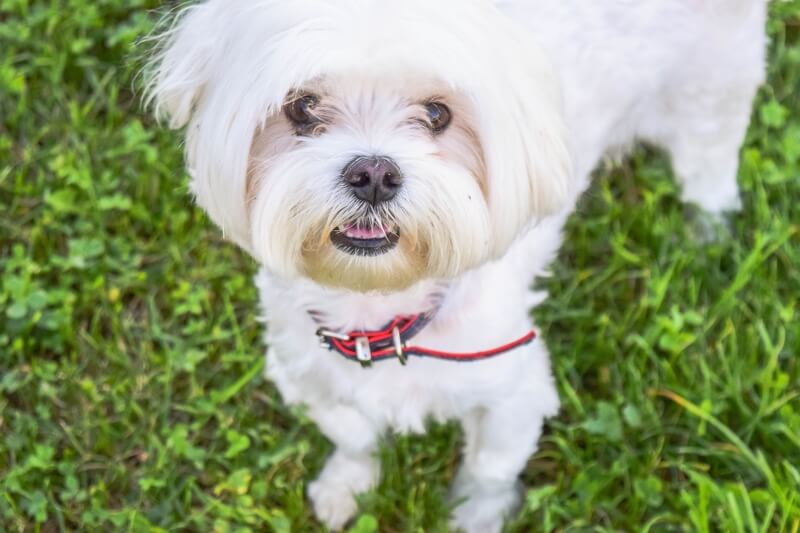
(365, 144)
(370, 183)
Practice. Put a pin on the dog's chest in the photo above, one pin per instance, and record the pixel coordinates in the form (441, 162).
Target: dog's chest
(391, 394)
(404, 397)
(485, 313)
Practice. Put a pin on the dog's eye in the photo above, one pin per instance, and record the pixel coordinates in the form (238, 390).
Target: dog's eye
(439, 116)
(300, 111)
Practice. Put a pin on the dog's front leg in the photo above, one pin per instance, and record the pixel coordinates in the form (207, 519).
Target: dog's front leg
(352, 468)
(500, 439)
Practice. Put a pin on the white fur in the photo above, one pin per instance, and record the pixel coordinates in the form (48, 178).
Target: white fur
(483, 205)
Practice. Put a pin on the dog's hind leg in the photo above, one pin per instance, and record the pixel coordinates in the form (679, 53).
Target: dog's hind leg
(709, 128)
(353, 467)
(701, 116)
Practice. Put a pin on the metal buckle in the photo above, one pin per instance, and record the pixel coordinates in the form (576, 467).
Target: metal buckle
(398, 346)
(363, 352)
(325, 334)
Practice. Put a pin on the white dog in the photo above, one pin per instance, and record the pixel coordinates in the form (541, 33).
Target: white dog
(402, 170)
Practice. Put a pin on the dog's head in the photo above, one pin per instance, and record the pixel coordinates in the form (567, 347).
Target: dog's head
(365, 144)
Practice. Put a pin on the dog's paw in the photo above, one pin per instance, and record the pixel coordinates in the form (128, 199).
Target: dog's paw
(467, 519)
(333, 493)
(482, 509)
(334, 505)
(484, 513)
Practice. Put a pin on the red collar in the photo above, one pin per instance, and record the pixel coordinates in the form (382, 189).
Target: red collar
(367, 347)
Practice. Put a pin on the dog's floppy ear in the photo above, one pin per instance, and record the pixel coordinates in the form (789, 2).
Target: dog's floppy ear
(523, 135)
(188, 84)
(181, 66)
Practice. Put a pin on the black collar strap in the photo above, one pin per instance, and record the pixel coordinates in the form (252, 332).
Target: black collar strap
(368, 347)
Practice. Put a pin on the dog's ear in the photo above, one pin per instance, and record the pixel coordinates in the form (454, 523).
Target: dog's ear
(181, 65)
(187, 86)
(524, 138)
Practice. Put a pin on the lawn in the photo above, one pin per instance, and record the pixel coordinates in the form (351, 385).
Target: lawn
(131, 388)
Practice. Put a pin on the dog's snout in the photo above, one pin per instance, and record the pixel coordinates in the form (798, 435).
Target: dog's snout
(373, 179)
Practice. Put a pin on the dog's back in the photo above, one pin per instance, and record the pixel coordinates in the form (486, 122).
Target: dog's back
(673, 72)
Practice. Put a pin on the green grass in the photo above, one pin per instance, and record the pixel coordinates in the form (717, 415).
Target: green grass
(131, 396)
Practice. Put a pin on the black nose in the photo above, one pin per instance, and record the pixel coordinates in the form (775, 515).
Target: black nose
(373, 179)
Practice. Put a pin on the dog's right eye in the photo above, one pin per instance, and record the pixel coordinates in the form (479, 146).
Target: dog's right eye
(300, 111)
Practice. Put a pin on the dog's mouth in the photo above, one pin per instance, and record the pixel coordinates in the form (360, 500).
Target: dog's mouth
(363, 239)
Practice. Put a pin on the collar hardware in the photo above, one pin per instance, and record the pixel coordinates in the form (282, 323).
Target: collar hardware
(323, 333)
(399, 346)
(363, 352)
(368, 347)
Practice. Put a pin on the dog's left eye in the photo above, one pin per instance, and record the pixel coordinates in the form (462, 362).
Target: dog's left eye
(439, 116)
(300, 111)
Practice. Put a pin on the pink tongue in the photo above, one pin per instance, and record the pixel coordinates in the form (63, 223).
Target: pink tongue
(356, 232)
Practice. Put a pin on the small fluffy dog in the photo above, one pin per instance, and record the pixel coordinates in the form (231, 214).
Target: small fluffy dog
(402, 170)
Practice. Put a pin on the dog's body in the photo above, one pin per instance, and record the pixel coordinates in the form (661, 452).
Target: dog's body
(678, 73)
